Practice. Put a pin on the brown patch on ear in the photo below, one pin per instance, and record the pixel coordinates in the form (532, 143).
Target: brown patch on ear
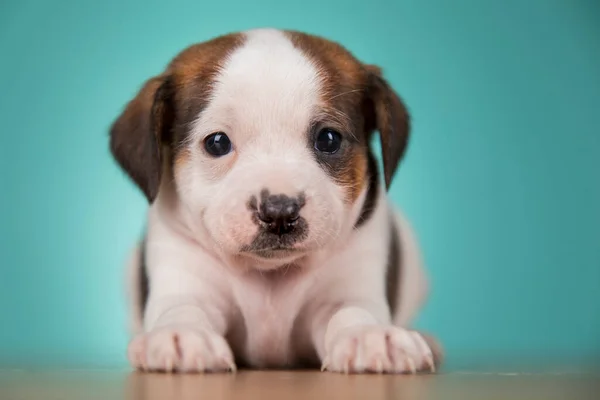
(391, 118)
(137, 135)
(150, 131)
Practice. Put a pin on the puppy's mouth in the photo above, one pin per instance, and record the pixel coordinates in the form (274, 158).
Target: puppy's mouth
(275, 252)
(268, 246)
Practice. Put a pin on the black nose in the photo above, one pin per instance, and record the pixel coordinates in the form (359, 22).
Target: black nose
(279, 213)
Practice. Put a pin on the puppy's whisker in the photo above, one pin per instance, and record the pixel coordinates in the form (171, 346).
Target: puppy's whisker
(343, 94)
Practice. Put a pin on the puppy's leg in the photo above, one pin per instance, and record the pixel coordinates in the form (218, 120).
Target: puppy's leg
(186, 316)
(352, 328)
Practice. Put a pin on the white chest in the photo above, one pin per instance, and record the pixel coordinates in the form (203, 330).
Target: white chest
(270, 315)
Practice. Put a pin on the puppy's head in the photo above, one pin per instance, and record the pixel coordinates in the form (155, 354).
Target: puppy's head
(265, 135)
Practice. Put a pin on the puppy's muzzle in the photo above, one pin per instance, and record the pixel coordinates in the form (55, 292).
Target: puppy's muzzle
(281, 227)
(279, 214)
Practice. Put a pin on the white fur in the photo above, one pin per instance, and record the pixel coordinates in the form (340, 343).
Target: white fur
(330, 301)
(263, 99)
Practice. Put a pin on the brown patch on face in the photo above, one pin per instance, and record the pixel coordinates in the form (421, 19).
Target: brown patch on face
(158, 118)
(181, 159)
(358, 99)
(344, 80)
(354, 175)
(193, 72)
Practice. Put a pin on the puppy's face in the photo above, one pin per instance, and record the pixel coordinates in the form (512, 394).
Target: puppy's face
(266, 136)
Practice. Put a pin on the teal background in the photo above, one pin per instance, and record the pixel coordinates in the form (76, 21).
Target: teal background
(501, 181)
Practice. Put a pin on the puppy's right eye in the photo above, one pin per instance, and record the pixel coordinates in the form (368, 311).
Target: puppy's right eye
(217, 144)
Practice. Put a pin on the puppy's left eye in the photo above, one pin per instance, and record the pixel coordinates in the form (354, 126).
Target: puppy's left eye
(328, 141)
(217, 144)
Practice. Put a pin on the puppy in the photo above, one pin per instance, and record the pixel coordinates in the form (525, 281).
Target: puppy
(270, 241)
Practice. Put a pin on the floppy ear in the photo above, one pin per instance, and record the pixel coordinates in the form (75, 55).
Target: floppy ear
(137, 136)
(391, 119)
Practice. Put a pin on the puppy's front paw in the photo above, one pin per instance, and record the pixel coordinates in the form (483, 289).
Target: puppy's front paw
(380, 349)
(180, 350)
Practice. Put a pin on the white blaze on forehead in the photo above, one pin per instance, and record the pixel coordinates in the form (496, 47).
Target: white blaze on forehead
(267, 89)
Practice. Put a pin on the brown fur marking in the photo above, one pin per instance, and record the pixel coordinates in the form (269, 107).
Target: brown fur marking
(160, 114)
(357, 95)
(356, 100)
(344, 81)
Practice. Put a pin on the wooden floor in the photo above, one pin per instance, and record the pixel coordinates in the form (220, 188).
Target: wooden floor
(248, 385)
